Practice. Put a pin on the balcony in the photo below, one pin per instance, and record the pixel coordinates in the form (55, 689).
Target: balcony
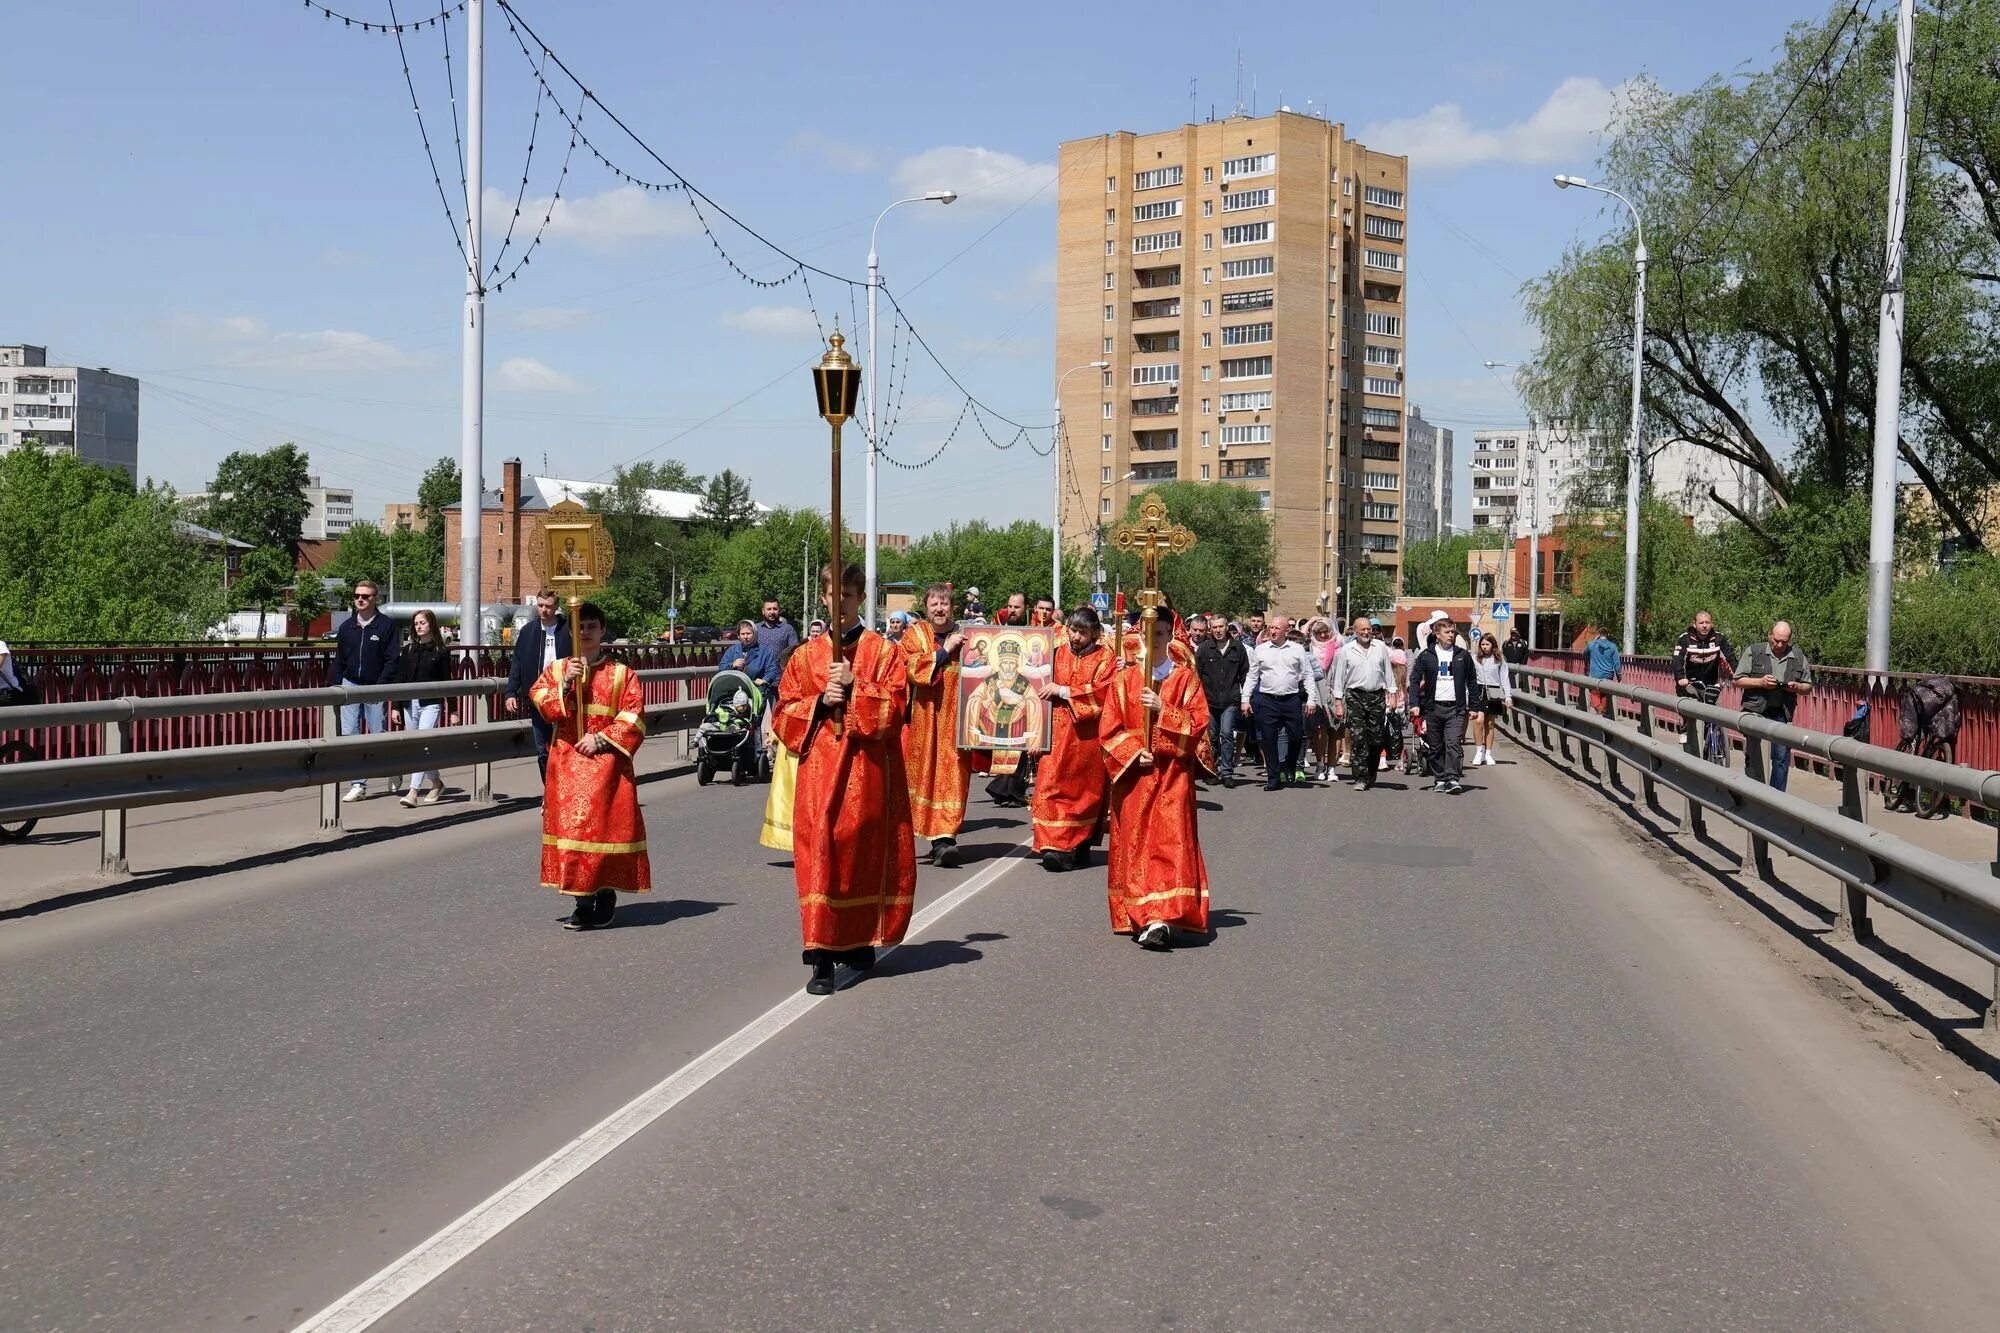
(1157, 407)
(1166, 308)
(1155, 441)
(1157, 342)
(1388, 452)
(1245, 469)
(1147, 279)
(1156, 472)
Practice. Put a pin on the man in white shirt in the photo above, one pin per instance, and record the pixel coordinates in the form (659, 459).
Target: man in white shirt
(1358, 688)
(1280, 688)
(9, 682)
(1440, 690)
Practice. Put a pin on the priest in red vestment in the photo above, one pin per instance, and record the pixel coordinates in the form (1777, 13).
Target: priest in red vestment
(840, 709)
(1157, 881)
(939, 772)
(1070, 782)
(593, 836)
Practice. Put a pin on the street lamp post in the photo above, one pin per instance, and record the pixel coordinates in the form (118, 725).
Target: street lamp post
(1055, 515)
(869, 534)
(1103, 486)
(1632, 446)
(1535, 448)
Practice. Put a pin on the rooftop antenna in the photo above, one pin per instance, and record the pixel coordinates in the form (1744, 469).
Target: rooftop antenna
(1194, 87)
(1253, 96)
(1239, 82)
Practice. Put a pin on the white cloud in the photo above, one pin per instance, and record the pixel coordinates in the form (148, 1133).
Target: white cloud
(1563, 131)
(524, 374)
(774, 321)
(616, 218)
(249, 339)
(541, 318)
(983, 177)
(1011, 347)
(835, 153)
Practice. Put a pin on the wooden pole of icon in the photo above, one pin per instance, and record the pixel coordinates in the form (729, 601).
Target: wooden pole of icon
(1150, 538)
(574, 602)
(837, 384)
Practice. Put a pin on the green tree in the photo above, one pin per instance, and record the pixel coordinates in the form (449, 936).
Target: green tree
(726, 504)
(418, 566)
(260, 497)
(437, 492)
(1230, 568)
(767, 560)
(309, 600)
(1436, 568)
(1373, 590)
(262, 582)
(998, 561)
(87, 558)
(363, 553)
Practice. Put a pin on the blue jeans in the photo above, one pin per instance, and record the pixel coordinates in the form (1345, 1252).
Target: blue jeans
(424, 717)
(1779, 775)
(353, 716)
(1222, 737)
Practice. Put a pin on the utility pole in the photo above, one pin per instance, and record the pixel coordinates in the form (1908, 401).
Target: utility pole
(1889, 362)
(472, 380)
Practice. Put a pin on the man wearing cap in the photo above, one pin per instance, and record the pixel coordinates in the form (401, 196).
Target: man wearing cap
(1441, 692)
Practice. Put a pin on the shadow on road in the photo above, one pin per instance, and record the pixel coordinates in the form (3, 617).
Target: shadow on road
(660, 911)
(930, 955)
(1219, 920)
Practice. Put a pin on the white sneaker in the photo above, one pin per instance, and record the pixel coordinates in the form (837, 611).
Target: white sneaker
(1383, 767)
(1479, 755)
(1490, 759)
(355, 792)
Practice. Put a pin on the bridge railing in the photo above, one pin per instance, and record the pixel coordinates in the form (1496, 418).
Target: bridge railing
(117, 776)
(1556, 710)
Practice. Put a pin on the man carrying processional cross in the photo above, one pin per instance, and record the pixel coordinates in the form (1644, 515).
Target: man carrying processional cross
(1154, 729)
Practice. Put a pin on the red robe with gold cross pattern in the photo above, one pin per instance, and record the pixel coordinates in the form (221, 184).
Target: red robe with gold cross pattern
(593, 836)
(938, 771)
(1156, 871)
(1070, 783)
(853, 858)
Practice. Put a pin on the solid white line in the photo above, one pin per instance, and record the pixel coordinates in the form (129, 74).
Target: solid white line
(405, 1277)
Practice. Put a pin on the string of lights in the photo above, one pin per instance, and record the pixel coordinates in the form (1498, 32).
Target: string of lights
(451, 89)
(521, 194)
(423, 131)
(935, 454)
(542, 228)
(376, 25)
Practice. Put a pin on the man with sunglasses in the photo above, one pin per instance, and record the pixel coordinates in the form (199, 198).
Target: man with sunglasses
(364, 654)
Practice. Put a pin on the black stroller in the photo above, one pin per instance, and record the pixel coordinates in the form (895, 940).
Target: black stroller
(728, 739)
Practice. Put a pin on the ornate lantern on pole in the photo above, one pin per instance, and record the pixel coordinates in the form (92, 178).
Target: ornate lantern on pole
(837, 382)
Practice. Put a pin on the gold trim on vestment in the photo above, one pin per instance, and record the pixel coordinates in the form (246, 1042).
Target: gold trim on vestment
(598, 848)
(878, 900)
(1184, 892)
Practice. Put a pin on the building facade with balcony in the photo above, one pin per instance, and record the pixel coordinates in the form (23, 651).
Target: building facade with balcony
(1532, 474)
(1245, 279)
(1427, 478)
(92, 413)
(332, 512)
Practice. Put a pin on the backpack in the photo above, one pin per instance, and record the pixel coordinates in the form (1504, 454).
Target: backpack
(1856, 728)
(1929, 708)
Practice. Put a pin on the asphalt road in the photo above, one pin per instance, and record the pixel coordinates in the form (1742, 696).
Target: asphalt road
(1484, 1062)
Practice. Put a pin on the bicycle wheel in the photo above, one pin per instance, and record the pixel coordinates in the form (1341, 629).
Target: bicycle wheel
(1931, 804)
(18, 752)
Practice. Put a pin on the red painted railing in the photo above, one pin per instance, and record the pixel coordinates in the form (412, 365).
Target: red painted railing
(76, 675)
(1836, 693)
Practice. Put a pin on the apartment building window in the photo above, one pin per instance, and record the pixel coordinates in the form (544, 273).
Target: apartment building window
(1377, 541)
(1157, 342)
(1347, 187)
(1208, 276)
(1103, 476)
(1104, 445)
(1207, 372)
(1378, 513)
(1111, 247)
(1388, 388)
(1387, 259)
(1156, 242)
(1204, 472)
(1263, 499)
(1382, 356)
(1107, 346)
(1156, 178)
(1257, 164)
(1107, 411)
(1247, 233)
(1235, 335)
(1260, 299)
(1164, 308)
(1208, 240)
(1107, 320)
(1156, 441)
(1103, 507)
(1107, 379)
(1111, 185)
(1258, 400)
(1243, 469)
(1207, 309)
(1381, 481)
(1208, 175)
(1205, 440)
(1387, 198)
(1247, 368)
(1246, 199)
(1205, 406)
(1156, 407)
(1389, 326)
(1208, 208)
(1246, 434)
(1261, 267)
(1155, 471)
(1388, 229)
(1153, 212)
(1169, 373)
(1381, 291)
(1110, 282)
(1207, 338)
(1110, 217)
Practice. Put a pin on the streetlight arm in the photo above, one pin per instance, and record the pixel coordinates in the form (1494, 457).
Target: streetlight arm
(913, 199)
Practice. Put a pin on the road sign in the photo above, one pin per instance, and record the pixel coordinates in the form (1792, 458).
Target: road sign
(1503, 611)
(673, 613)
(1101, 601)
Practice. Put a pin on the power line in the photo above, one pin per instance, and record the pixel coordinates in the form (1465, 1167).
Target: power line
(437, 178)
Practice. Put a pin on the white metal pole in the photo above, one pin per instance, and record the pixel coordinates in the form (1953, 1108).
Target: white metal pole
(1889, 362)
(1634, 450)
(1534, 542)
(472, 381)
(1055, 514)
(868, 536)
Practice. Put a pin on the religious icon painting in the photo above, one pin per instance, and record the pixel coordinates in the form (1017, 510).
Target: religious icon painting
(997, 710)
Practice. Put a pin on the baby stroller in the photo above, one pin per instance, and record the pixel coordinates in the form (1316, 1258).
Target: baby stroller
(728, 739)
(1407, 735)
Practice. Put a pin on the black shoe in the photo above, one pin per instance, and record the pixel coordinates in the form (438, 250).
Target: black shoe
(861, 959)
(1454, 787)
(582, 911)
(1159, 937)
(944, 852)
(822, 980)
(1056, 860)
(606, 901)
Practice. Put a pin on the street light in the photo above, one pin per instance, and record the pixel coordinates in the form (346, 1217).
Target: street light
(1535, 448)
(1102, 487)
(869, 534)
(1055, 450)
(1632, 447)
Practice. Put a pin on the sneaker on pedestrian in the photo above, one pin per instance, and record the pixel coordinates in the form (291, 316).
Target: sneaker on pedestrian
(355, 791)
(1454, 787)
(1383, 767)
(1158, 937)
(431, 794)
(408, 800)
(1489, 759)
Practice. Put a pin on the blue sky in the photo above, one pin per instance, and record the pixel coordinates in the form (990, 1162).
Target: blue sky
(230, 200)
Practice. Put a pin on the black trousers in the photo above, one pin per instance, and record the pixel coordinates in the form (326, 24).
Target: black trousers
(1280, 715)
(544, 733)
(1444, 735)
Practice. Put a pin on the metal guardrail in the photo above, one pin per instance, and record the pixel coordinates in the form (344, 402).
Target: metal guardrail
(118, 781)
(1954, 900)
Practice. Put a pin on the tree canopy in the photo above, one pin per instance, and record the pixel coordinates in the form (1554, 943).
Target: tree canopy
(1436, 568)
(1230, 568)
(260, 497)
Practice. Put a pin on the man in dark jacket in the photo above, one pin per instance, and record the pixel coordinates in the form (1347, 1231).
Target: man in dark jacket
(1222, 662)
(545, 639)
(1515, 650)
(364, 653)
(1441, 688)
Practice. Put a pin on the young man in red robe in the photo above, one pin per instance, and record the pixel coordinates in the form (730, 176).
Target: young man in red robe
(1070, 782)
(939, 772)
(593, 836)
(840, 709)
(1157, 881)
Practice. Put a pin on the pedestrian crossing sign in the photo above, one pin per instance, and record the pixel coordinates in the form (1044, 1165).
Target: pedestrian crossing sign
(1503, 611)
(1101, 602)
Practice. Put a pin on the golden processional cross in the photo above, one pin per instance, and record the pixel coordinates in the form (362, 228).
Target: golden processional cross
(1149, 539)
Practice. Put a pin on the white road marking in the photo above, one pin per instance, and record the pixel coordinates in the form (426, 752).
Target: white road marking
(404, 1278)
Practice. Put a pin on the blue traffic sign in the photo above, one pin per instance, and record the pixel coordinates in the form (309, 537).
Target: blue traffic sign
(673, 613)
(1101, 601)
(1503, 611)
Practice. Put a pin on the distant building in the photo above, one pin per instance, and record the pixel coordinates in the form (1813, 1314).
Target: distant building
(1427, 449)
(895, 541)
(332, 512)
(1529, 474)
(403, 517)
(92, 414)
(1689, 477)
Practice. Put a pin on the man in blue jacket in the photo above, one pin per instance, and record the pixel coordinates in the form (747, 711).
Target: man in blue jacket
(545, 639)
(364, 654)
(1602, 662)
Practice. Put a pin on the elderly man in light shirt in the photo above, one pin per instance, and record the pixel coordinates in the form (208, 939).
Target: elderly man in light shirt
(1358, 688)
(1281, 682)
